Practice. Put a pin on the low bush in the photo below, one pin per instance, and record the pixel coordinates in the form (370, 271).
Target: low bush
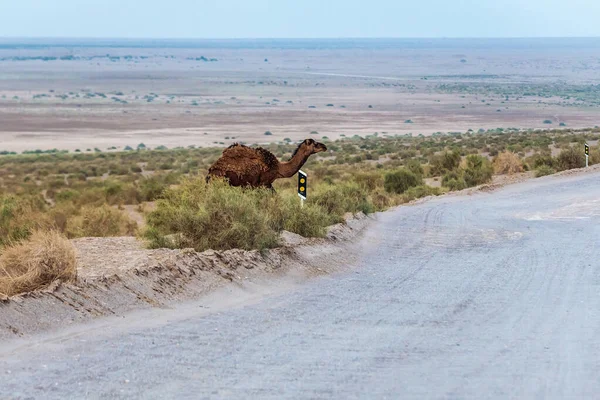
(507, 163)
(538, 160)
(415, 167)
(151, 188)
(401, 180)
(220, 217)
(478, 170)
(369, 180)
(213, 216)
(421, 191)
(594, 155)
(336, 200)
(454, 180)
(448, 161)
(103, 221)
(544, 170)
(302, 220)
(19, 217)
(36, 262)
(570, 158)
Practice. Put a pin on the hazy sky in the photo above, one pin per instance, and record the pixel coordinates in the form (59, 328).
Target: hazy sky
(298, 18)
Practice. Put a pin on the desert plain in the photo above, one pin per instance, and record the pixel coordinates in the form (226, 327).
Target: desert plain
(81, 94)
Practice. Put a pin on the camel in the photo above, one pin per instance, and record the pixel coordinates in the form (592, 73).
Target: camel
(257, 167)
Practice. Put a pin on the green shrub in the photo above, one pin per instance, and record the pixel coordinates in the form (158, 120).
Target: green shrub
(368, 180)
(308, 221)
(479, 170)
(454, 180)
(543, 159)
(121, 193)
(401, 180)
(570, 158)
(415, 167)
(66, 195)
(151, 188)
(448, 161)
(336, 200)
(421, 191)
(213, 216)
(544, 170)
(19, 217)
(218, 216)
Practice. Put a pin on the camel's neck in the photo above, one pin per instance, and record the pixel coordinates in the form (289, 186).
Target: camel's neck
(289, 168)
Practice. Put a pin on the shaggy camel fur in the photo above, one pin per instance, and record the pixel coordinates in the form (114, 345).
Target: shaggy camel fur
(256, 167)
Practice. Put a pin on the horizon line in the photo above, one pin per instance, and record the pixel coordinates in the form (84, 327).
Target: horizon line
(296, 38)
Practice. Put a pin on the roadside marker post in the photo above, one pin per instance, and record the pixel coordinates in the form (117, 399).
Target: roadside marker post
(302, 186)
(586, 149)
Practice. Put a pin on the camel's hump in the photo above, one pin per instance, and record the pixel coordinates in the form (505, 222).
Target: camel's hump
(240, 152)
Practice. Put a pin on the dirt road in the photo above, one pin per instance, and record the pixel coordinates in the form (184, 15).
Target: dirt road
(494, 295)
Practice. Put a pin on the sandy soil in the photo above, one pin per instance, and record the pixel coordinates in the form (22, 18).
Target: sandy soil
(116, 275)
(161, 97)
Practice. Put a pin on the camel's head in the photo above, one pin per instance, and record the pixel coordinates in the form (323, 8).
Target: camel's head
(313, 146)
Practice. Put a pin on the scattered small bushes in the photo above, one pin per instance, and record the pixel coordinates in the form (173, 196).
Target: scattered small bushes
(415, 167)
(36, 262)
(448, 161)
(401, 180)
(50, 189)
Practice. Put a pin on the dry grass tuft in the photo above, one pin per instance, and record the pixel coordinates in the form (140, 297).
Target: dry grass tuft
(102, 221)
(507, 163)
(36, 262)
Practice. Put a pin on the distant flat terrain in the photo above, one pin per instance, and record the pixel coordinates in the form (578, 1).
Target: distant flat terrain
(71, 94)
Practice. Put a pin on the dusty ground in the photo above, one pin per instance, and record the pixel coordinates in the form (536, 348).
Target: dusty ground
(117, 275)
(159, 96)
(495, 293)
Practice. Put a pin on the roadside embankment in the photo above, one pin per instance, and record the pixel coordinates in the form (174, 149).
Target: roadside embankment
(117, 275)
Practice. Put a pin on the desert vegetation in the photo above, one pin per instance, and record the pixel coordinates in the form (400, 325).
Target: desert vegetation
(105, 193)
(46, 256)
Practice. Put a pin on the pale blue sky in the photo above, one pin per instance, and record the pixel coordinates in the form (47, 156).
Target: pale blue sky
(298, 18)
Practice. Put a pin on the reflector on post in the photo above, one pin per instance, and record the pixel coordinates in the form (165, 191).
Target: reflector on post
(302, 185)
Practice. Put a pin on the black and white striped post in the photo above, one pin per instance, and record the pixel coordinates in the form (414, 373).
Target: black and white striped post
(302, 186)
(586, 149)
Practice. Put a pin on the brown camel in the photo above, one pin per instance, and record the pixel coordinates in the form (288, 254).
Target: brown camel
(256, 167)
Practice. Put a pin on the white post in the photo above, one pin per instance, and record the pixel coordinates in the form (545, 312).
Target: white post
(301, 202)
(586, 160)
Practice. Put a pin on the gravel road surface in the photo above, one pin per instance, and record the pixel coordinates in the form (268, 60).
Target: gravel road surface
(493, 295)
